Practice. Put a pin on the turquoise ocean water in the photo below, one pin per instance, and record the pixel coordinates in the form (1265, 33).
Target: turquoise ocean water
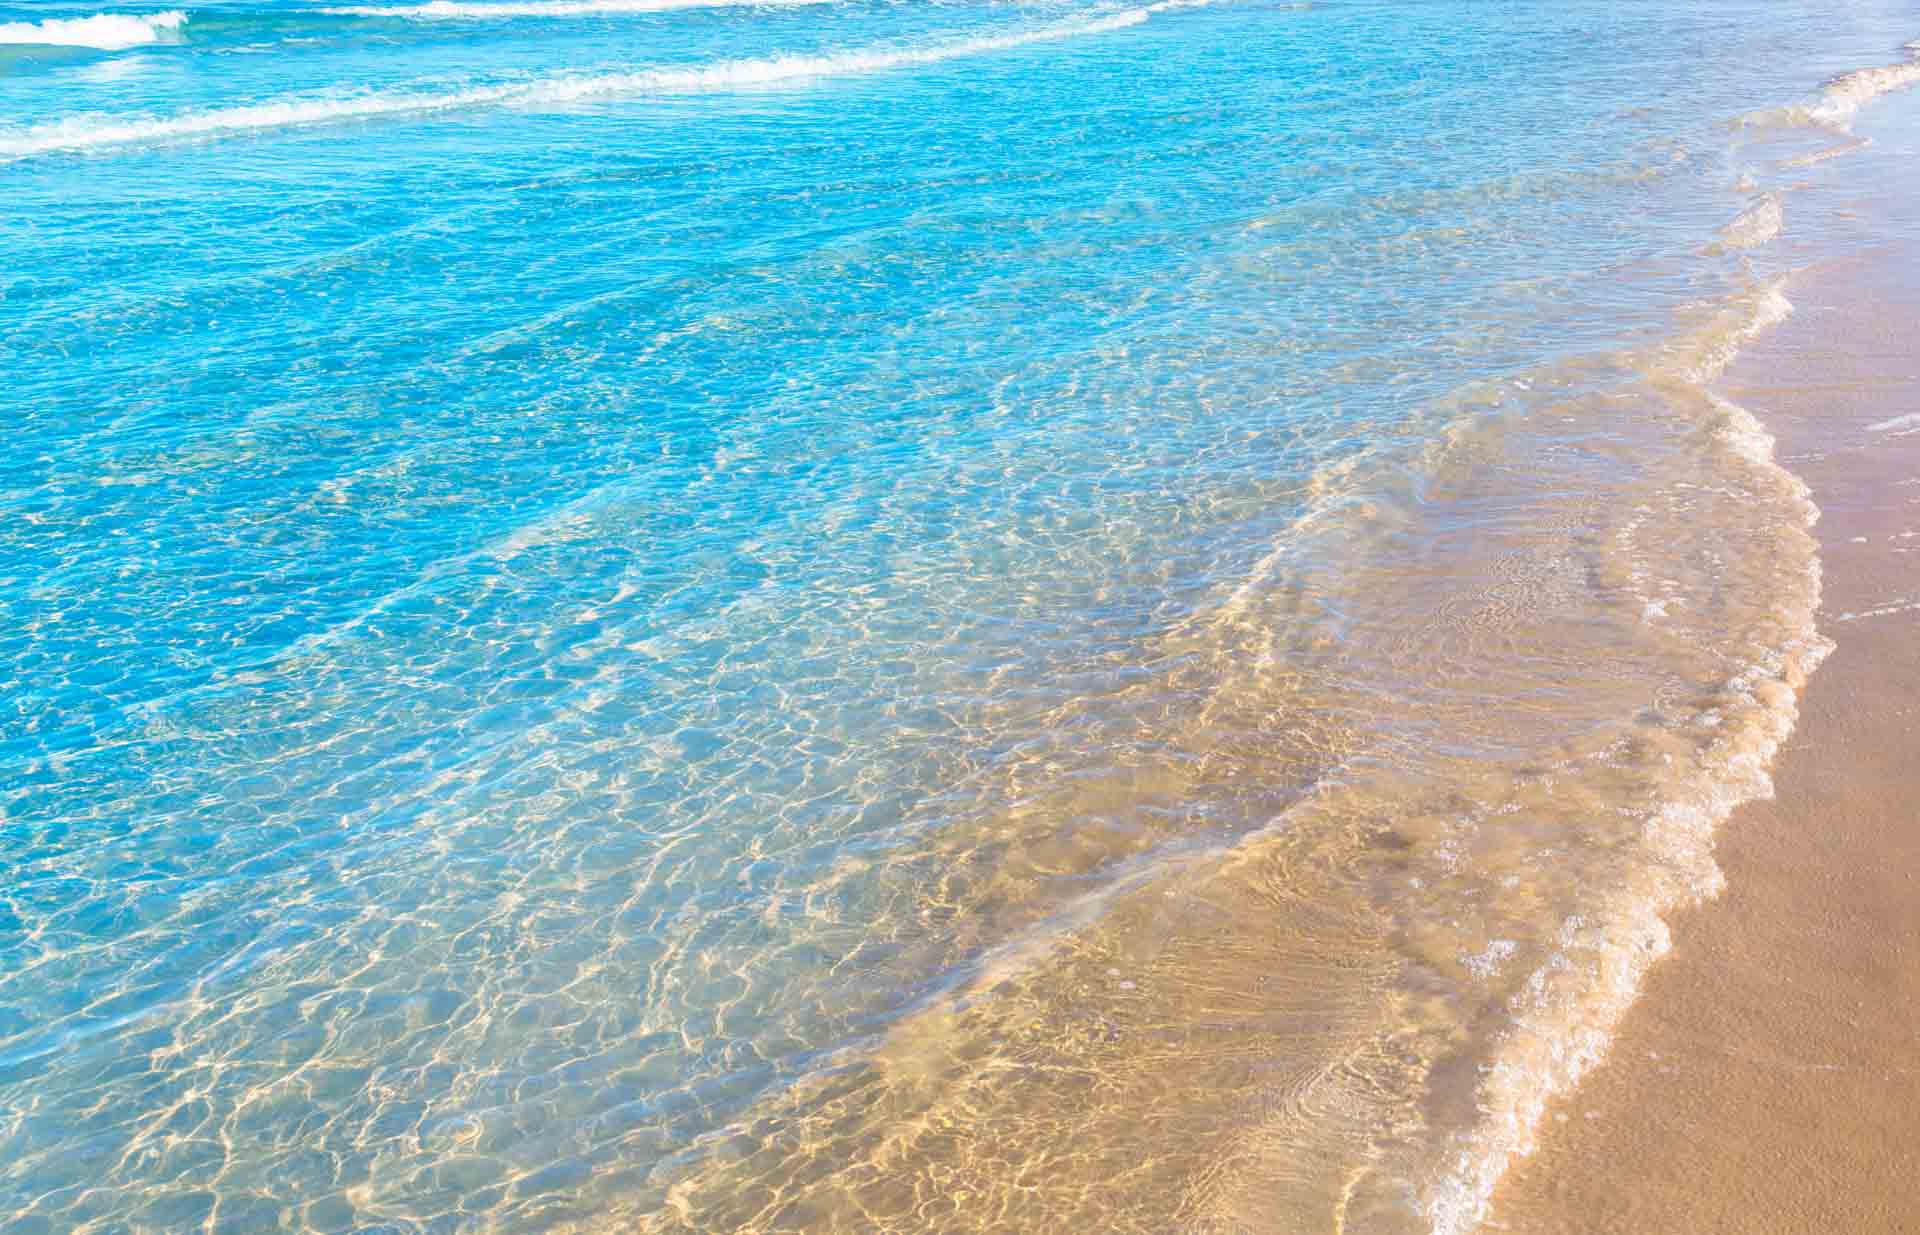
(871, 616)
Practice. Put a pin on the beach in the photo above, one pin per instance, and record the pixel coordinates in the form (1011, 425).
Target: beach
(1764, 1081)
(684, 616)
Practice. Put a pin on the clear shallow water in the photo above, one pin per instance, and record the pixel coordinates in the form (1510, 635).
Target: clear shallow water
(869, 616)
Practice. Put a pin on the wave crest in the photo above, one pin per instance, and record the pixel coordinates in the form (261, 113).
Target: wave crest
(85, 133)
(1844, 96)
(102, 31)
(496, 10)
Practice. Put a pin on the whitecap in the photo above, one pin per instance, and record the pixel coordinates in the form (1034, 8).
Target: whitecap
(102, 31)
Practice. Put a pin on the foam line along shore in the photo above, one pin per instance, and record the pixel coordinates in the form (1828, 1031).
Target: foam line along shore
(1781, 1004)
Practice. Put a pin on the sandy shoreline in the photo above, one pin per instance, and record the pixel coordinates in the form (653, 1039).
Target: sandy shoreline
(1766, 1079)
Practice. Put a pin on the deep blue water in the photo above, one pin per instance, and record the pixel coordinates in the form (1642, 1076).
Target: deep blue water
(556, 560)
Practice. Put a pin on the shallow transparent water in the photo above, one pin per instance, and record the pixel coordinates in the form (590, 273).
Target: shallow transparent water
(863, 616)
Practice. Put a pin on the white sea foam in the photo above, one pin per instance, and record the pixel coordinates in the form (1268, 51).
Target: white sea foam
(1892, 607)
(1845, 95)
(1754, 226)
(103, 31)
(496, 10)
(1565, 1017)
(87, 133)
(1848, 93)
(1567, 1014)
(1702, 355)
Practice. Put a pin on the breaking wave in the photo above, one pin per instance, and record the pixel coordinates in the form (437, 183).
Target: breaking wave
(1845, 95)
(102, 31)
(482, 10)
(88, 133)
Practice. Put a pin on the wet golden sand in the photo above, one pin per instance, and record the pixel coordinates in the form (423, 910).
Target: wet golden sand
(1769, 1078)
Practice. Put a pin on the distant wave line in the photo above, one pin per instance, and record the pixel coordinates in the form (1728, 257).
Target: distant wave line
(80, 134)
(102, 31)
(493, 10)
(1843, 97)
